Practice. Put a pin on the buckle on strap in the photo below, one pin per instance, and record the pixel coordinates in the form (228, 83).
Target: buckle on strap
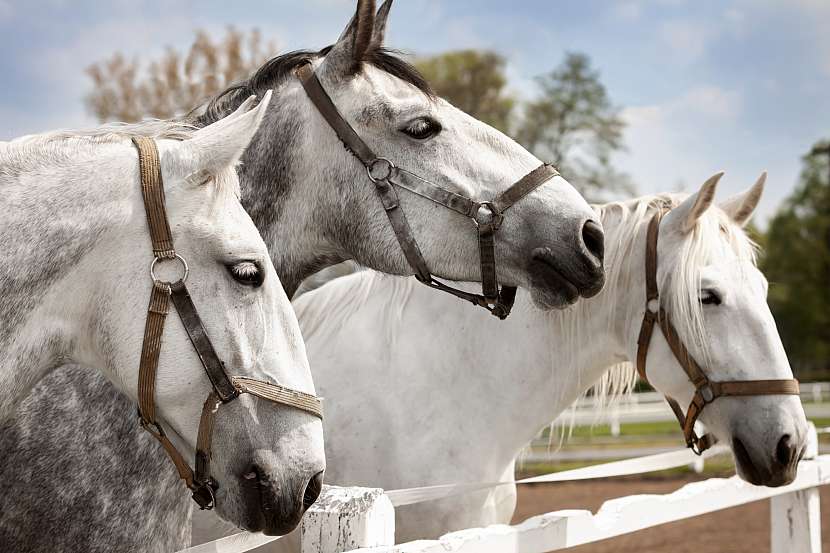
(707, 394)
(380, 169)
(486, 214)
(204, 495)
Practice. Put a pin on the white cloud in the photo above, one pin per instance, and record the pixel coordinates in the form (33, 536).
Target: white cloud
(670, 143)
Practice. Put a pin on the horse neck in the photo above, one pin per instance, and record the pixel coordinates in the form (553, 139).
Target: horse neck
(525, 371)
(44, 237)
(552, 368)
(277, 182)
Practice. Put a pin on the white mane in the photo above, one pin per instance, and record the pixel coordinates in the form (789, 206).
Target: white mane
(326, 310)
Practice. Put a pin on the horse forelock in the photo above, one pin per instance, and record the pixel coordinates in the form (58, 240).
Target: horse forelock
(715, 238)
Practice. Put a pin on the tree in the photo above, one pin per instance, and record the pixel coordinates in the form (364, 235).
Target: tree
(175, 83)
(797, 264)
(474, 82)
(573, 125)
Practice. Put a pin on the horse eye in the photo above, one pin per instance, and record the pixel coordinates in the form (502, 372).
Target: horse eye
(247, 273)
(422, 128)
(710, 297)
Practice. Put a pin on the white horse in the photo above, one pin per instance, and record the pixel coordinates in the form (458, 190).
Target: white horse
(421, 391)
(75, 283)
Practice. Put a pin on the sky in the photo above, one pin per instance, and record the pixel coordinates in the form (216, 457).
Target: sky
(736, 85)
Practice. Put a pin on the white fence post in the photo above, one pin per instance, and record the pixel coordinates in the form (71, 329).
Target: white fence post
(796, 522)
(795, 518)
(343, 519)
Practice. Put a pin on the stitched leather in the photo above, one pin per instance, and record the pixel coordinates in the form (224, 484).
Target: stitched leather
(706, 391)
(499, 303)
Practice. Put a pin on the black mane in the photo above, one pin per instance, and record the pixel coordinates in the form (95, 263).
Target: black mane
(278, 69)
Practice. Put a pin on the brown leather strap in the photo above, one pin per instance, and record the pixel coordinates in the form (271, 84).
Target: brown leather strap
(153, 192)
(417, 185)
(195, 329)
(225, 389)
(644, 340)
(706, 391)
(384, 174)
(321, 99)
(525, 186)
(403, 232)
(150, 349)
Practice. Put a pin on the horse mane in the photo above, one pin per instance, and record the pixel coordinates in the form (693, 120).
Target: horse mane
(326, 310)
(109, 133)
(278, 69)
(714, 238)
(29, 152)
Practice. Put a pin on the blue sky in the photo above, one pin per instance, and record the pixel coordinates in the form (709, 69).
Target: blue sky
(738, 85)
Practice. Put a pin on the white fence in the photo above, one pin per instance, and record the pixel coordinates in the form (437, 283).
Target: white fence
(363, 519)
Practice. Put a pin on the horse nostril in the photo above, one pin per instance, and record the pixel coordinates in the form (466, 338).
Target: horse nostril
(594, 239)
(312, 490)
(785, 451)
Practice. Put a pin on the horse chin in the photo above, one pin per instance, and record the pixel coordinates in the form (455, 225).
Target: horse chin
(549, 289)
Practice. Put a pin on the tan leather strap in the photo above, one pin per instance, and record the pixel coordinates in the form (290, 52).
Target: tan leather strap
(153, 192)
(706, 391)
(386, 177)
(279, 394)
(225, 388)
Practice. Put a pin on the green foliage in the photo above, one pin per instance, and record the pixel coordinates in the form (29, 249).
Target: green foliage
(797, 264)
(570, 123)
(573, 125)
(474, 82)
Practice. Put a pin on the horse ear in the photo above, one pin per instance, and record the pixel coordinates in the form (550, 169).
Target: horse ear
(379, 32)
(684, 217)
(741, 206)
(349, 51)
(221, 144)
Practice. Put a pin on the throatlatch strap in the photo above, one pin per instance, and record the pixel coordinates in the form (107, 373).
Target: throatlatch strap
(153, 192)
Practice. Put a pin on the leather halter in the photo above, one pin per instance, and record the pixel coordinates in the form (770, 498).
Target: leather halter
(487, 215)
(225, 388)
(706, 391)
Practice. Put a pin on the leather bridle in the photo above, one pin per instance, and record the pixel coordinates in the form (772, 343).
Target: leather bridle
(706, 391)
(225, 388)
(486, 215)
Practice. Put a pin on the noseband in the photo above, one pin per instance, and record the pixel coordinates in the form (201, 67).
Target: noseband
(225, 388)
(706, 391)
(486, 215)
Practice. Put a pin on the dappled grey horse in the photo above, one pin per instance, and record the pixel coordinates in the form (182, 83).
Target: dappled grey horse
(77, 275)
(315, 206)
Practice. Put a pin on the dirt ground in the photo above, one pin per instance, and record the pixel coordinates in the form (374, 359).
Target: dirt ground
(742, 529)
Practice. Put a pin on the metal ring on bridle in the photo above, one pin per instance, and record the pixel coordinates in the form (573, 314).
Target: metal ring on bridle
(185, 268)
(372, 165)
(493, 217)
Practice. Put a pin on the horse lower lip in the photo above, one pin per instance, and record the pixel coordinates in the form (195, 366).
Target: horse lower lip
(552, 273)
